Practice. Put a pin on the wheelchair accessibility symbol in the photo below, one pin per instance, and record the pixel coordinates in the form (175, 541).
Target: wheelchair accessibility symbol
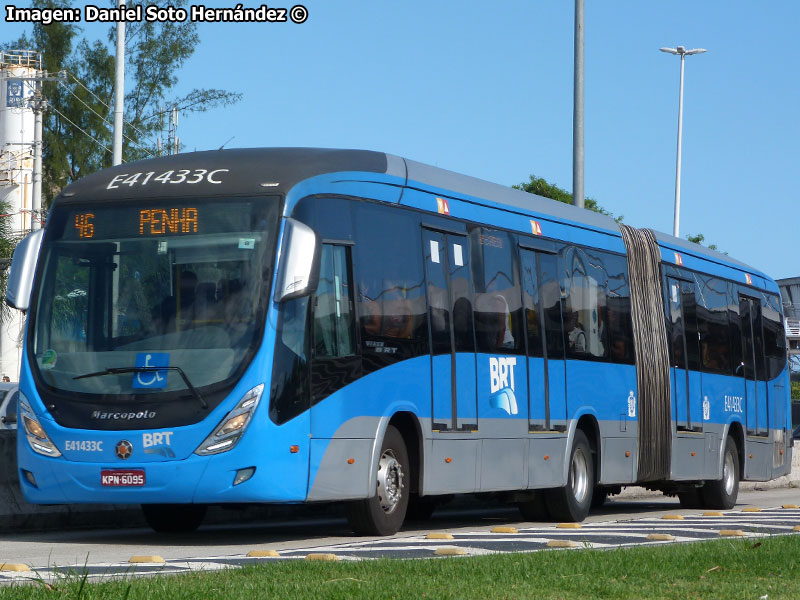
(151, 379)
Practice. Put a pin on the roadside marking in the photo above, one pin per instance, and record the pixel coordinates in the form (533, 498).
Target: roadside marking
(439, 536)
(561, 544)
(661, 537)
(731, 533)
(713, 514)
(751, 509)
(15, 567)
(505, 530)
(673, 517)
(568, 526)
(322, 556)
(263, 554)
(146, 559)
(450, 551)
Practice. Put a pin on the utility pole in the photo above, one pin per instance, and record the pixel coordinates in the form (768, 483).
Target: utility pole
(39, 106)
(119, 89)
(173, 143)
(577, 114)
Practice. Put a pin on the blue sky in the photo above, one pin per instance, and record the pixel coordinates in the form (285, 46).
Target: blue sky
(486, 89)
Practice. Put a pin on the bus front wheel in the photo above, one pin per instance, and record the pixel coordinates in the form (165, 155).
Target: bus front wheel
(384, 513)
(572, 502)
(174, 518)
(722, 494)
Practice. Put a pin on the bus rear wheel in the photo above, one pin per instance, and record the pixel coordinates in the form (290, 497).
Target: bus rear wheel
(384, 513)
(174, 518)
(722, 494)
(573, 501)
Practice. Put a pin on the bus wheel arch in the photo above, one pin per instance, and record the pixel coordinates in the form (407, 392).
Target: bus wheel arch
(573, 501)
(588, 424)
(395, 475)
(736, 433)
(722, 493)
(408, 426)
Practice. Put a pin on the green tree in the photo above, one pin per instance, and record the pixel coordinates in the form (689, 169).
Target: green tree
(8, 241)
(78, 130)
(541, 187)
(699, 239)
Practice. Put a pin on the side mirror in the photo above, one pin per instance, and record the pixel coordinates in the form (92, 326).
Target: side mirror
(298, 273)
(23, 268)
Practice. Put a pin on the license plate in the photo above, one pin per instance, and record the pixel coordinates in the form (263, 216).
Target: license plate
(116, 478)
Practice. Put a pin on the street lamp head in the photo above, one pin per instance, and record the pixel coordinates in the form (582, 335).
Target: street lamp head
(682, 51)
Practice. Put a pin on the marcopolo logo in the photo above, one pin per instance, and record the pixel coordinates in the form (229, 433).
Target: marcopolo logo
(123, 416)
(501, 377)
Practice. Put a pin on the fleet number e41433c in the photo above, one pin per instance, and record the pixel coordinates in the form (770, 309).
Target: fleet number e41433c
(84, 445)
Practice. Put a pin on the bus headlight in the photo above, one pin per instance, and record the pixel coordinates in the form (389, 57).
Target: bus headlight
(226, 435)
(34, 432)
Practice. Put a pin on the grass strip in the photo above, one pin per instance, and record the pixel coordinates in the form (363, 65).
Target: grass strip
(726, 568)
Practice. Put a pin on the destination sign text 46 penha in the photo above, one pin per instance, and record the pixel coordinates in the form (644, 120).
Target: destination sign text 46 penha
(152, 221)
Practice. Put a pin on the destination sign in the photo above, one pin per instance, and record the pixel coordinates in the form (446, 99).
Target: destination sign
(159, 221)
(152, 221)
(145, 220)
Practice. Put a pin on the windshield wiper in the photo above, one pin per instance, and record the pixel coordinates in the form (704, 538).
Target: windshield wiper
(123, 370)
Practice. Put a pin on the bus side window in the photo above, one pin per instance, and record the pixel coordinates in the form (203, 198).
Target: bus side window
(498, 292)
(774, 336)
(585, 318)
(712, 322)
(334, 334)
(390, 286)
(618, 298)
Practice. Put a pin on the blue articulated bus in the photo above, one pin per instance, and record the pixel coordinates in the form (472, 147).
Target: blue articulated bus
(310, 325)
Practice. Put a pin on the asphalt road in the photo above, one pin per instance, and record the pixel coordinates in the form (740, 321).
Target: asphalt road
(625, 521)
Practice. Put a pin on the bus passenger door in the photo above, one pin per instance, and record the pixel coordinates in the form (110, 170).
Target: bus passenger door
(447, 272)
(547, 407)
(753, 368)
(685, 356)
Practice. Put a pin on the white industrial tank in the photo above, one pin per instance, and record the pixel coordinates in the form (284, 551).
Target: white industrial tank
(17, 70)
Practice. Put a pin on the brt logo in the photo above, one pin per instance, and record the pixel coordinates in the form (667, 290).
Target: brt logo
(501, 379)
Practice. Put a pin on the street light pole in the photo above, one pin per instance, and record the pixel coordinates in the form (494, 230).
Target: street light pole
(119, 92)
(683, 53)
(577, 110)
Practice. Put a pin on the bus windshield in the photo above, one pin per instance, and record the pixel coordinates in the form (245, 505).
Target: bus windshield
(126, 287)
